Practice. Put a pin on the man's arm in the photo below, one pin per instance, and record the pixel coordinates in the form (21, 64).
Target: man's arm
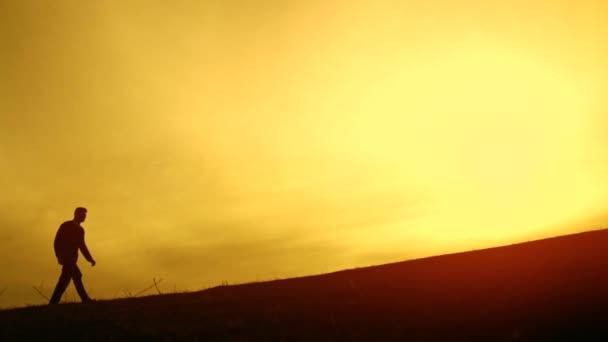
(58, 245)
(85, 251)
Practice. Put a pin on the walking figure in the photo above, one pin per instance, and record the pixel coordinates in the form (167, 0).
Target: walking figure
(69, 239)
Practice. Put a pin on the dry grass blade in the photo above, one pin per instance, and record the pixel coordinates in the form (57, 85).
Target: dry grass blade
(40, 293)
(2, 291)
(156, 284)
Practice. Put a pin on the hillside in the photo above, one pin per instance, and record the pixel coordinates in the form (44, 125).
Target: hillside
(545, 290)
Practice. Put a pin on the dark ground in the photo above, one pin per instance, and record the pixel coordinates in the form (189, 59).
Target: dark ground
(547, 290)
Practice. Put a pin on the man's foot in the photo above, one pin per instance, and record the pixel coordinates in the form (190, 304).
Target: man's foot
(88, 300)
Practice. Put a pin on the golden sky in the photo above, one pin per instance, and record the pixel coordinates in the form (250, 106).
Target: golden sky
(242, 140)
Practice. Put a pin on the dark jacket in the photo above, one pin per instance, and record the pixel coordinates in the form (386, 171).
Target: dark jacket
(70, 238)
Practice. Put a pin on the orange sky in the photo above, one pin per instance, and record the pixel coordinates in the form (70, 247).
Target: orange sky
(236, 140)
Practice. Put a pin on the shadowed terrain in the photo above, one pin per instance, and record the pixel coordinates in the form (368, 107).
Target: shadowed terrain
(545, 290)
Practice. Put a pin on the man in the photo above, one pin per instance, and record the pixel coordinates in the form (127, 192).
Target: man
(69, 239)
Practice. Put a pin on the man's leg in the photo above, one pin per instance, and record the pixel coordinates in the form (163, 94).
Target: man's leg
(62, 284)
(77, 277)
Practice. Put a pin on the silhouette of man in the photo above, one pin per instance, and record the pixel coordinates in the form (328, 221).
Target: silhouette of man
(68, 240)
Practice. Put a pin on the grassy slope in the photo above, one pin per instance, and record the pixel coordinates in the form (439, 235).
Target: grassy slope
(552, 289)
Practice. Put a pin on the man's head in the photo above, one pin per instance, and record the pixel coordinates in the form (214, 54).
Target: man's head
(80, 214)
